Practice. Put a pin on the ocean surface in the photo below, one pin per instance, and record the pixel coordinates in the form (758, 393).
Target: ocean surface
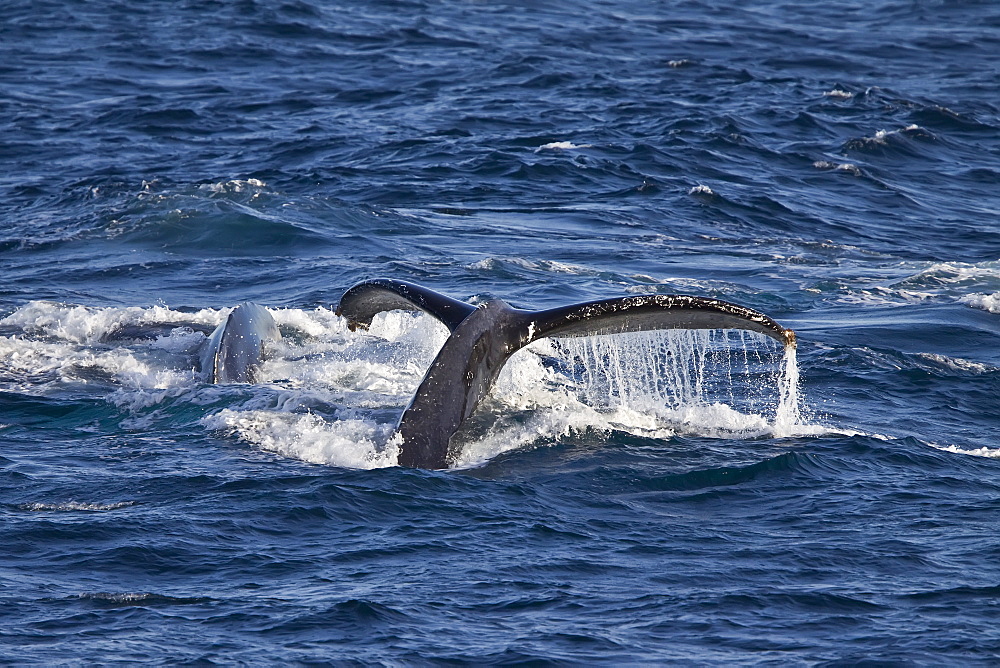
(674, 497)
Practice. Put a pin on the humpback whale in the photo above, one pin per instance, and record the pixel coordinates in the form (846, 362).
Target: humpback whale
(484, 337)
(231, 353)
(236, 349)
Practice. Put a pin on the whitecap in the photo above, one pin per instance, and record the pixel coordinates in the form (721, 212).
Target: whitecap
(839, 166)
(882, 136)
(991, 453)
(495, 263)
(561, 146)
(837, 93)
(985, 302)
(145, 598)
(883, 296)
(954, 273)
(233, 185)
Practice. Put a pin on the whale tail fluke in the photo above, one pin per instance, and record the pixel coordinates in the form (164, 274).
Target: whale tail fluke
(363, 301)
(639, 313)
(483, 339)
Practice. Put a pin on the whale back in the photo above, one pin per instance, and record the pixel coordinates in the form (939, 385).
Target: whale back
(236, 349)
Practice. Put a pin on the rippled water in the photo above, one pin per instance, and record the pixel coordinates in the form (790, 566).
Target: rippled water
(649, 498)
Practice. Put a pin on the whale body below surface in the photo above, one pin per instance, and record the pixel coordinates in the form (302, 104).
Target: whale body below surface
(482, 340)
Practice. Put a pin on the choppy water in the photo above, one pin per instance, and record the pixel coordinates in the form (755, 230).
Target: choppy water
(651, 499)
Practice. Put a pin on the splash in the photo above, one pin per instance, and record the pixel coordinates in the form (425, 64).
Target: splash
(707, 383)
(789, 414)
(332, 396)
(643, 368)
(711, 382)
(351, 443)
(87, 325)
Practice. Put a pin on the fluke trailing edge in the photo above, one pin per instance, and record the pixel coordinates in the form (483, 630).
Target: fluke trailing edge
(483, 338)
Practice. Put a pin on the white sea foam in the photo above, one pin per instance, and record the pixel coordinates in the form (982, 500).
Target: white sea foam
(561, 146)
(143, 598)
(33, 366)
(179, 340)
(921, 283)
(883, 296)
(75, 506)
(234, 185)
(494, 263)
(839, 166)
(313, 323)
(352, 443)
(882, 137)
(989, 303)
(676, 283)
(84, 324)
(992, 453)
(955, 273)
(882, 134)
(842, 94)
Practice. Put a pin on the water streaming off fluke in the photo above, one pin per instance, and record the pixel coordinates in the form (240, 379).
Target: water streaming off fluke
(728, 383)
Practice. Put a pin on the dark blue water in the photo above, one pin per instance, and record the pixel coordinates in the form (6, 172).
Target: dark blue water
(837, 167)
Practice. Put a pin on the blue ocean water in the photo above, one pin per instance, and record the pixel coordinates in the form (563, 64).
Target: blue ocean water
(835, 166)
